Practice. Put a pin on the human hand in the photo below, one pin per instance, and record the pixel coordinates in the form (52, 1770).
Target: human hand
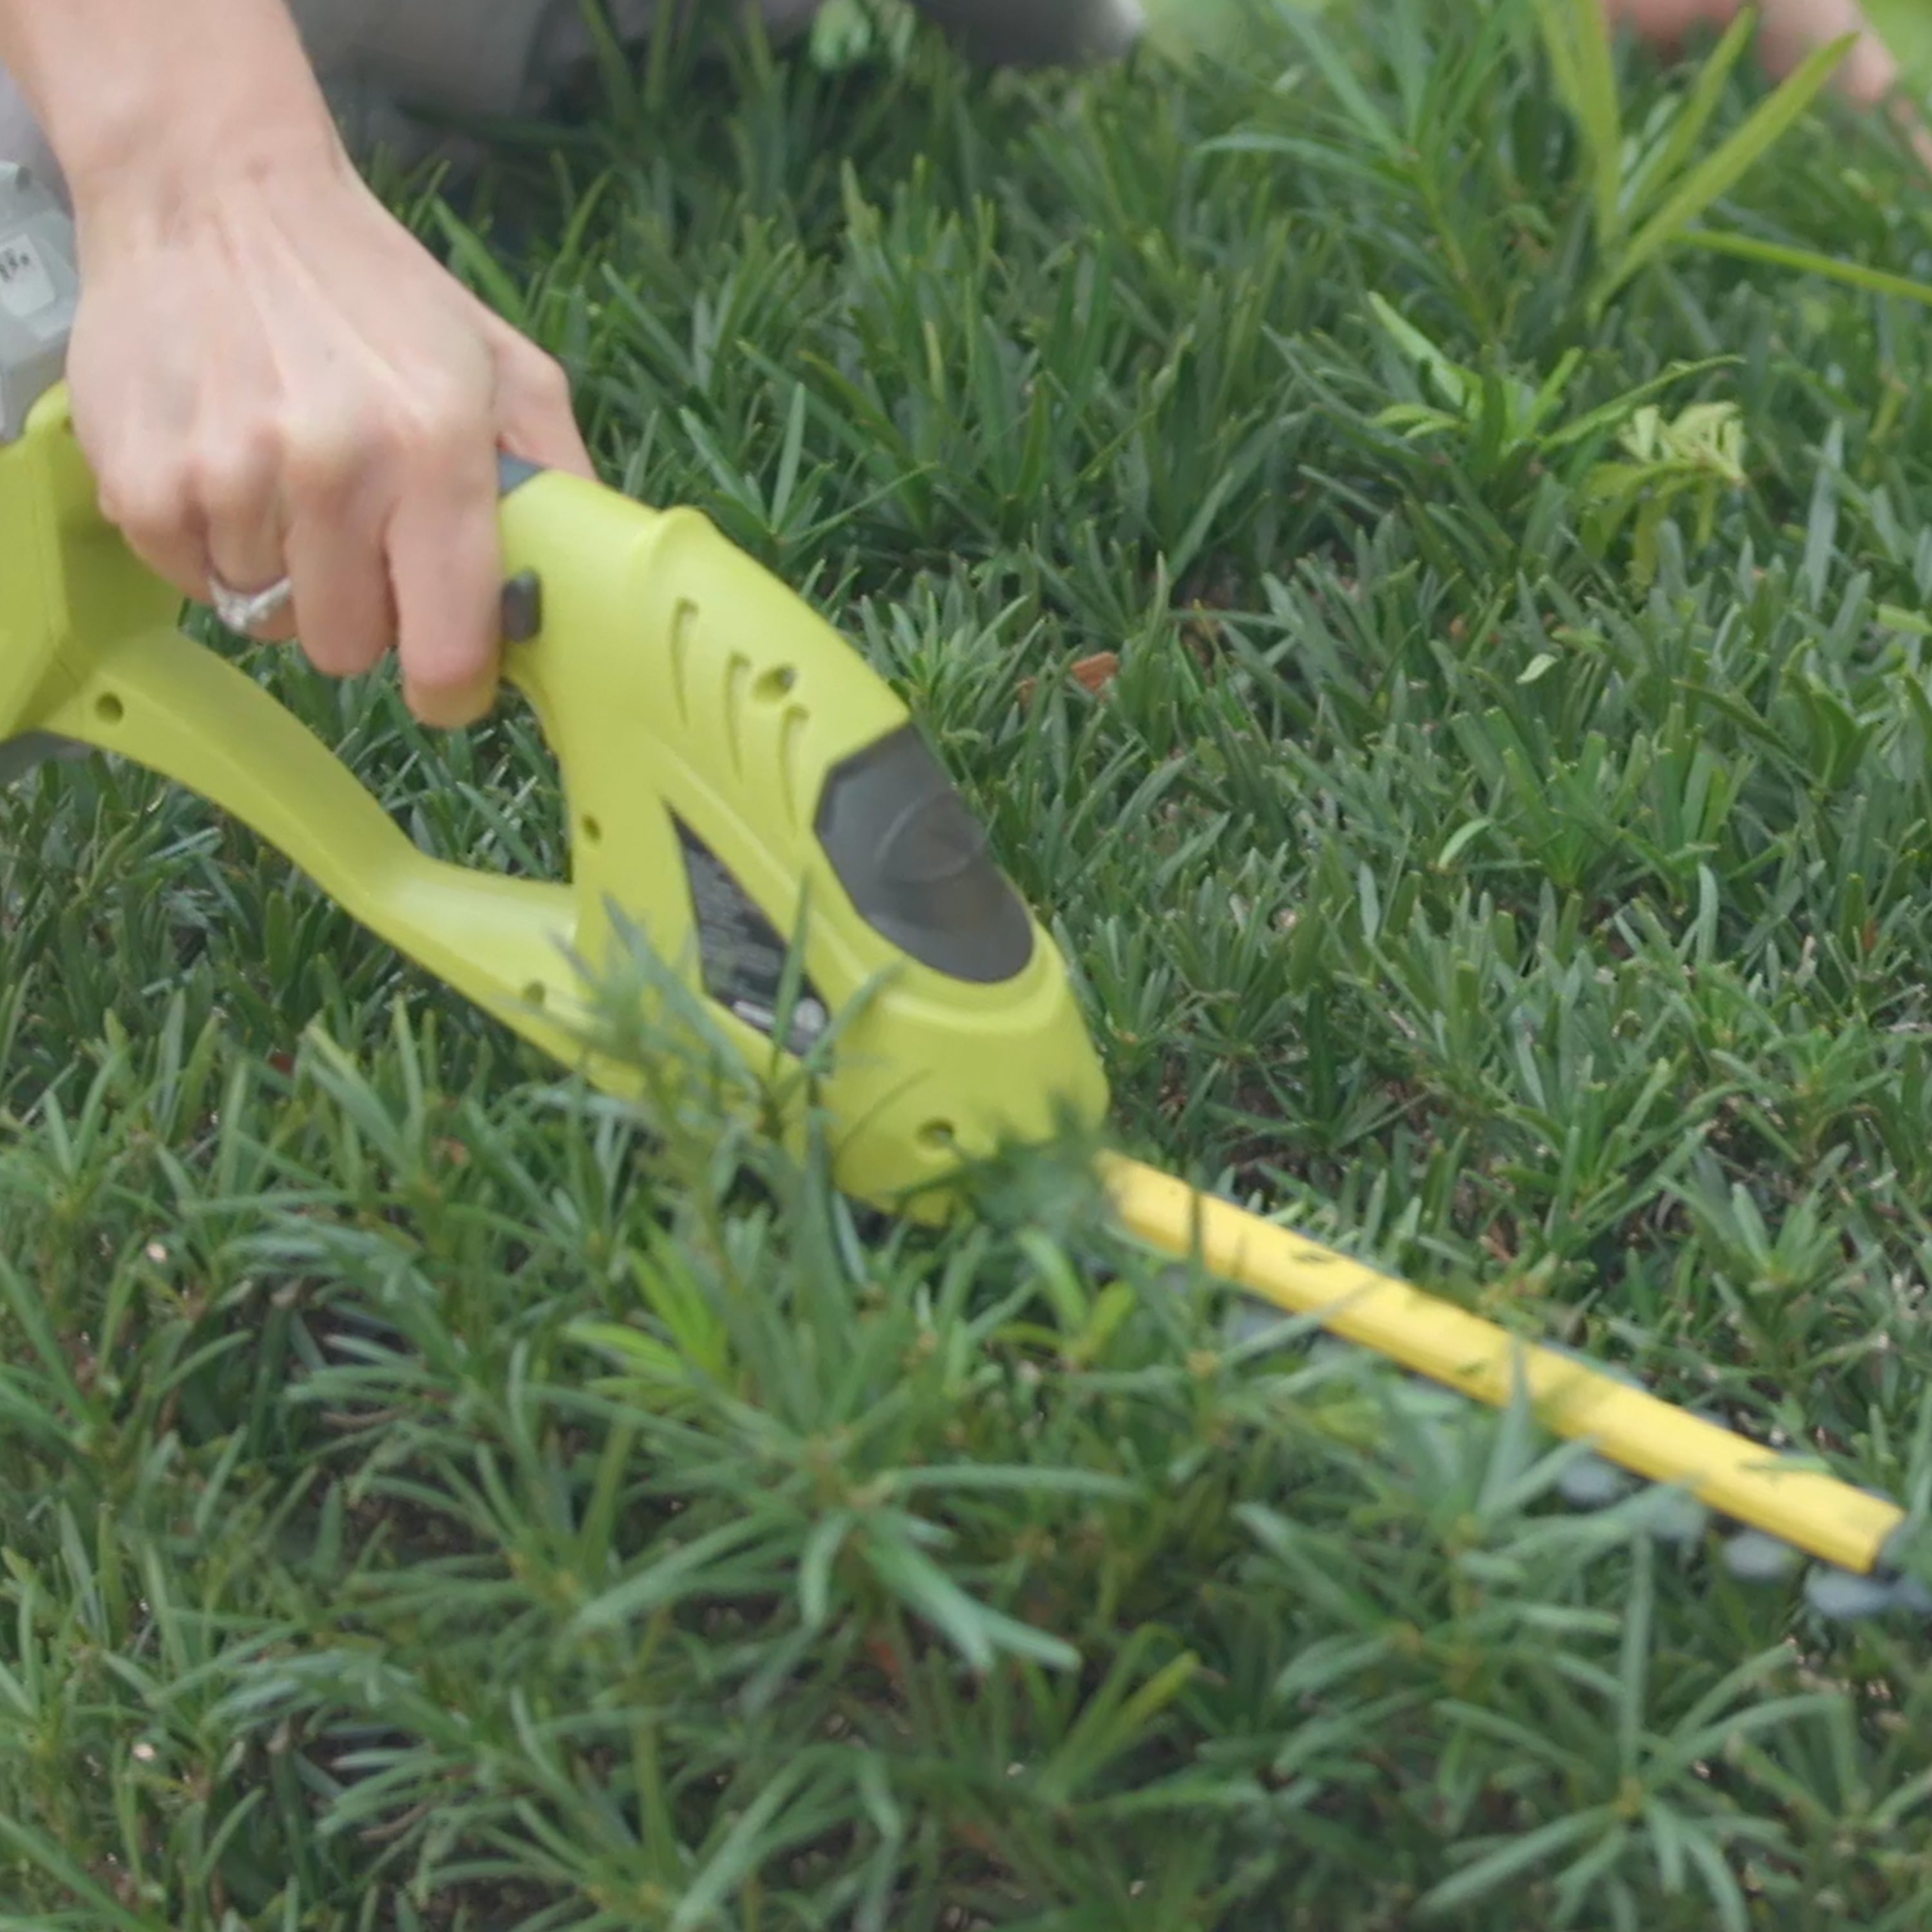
(272, 377)
(1789, 30)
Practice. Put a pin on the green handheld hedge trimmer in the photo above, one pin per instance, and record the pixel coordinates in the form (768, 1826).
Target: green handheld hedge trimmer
(735, 771)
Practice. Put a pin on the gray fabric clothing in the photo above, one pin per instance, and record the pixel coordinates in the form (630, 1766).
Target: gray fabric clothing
(504, 56)
(21, 141)
(374, 57)
(474, 56)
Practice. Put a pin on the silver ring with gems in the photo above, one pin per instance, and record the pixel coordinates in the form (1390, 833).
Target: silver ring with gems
(246, 611)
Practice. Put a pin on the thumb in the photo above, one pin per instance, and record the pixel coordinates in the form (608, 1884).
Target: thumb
(536, 418)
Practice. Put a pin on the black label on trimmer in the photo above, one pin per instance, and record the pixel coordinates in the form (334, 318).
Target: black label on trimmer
(742, 956)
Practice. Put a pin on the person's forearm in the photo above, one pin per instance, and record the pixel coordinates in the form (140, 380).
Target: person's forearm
(132, 89)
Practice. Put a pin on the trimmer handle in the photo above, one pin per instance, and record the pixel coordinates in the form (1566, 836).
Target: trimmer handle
(743, 790)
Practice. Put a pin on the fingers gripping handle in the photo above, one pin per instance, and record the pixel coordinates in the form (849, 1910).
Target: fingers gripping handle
(39, 297)
(145, 691)
(40, 294)
(89, 653)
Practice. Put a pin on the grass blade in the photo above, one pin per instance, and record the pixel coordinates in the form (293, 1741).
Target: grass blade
(1810, 261)
(1715, 176)
(1658, 171)
(1576, 42)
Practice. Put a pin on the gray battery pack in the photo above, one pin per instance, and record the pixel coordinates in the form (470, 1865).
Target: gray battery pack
(39, 289)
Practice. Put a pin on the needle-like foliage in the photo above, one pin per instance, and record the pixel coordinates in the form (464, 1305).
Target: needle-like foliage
(1491, 821)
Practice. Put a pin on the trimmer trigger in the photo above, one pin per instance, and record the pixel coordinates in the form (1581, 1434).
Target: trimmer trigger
(522, 608)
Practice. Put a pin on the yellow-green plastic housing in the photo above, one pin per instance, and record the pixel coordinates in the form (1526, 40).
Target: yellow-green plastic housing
(671, 674)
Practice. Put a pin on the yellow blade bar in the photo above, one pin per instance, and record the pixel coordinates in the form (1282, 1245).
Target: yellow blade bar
(1827, 1519)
